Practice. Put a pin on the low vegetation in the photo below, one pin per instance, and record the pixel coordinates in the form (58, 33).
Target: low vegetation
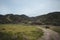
(19, 32)
(56, 28)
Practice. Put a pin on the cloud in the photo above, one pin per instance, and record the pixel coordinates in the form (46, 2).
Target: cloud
(29, 7)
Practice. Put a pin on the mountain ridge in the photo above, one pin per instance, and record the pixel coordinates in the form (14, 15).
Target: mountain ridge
(52, 18)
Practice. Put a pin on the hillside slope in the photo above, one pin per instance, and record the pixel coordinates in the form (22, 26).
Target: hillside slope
(52, 18)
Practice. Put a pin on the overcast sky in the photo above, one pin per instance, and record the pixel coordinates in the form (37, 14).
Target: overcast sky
(29, 7)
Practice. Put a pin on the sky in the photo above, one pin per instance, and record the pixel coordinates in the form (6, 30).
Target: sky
(29, 7)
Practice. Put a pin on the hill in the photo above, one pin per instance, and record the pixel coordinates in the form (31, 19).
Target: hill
(10, 18)
(52, 18)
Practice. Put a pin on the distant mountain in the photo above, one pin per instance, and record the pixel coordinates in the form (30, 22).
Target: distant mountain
(10, 18)
(52, 18)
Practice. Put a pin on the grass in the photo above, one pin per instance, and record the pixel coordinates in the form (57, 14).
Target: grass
(19, 32)
(56, 28)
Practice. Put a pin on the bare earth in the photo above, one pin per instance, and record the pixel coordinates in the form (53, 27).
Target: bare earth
(49, 35)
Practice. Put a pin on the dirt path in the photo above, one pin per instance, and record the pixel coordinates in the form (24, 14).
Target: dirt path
(49, 35)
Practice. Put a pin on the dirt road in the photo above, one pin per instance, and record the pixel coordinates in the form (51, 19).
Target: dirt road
(49, 35)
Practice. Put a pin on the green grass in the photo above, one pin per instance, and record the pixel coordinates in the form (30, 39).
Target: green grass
(19, 32)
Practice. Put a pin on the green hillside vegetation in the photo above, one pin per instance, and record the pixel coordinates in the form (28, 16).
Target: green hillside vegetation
(52, 18)
(19, 32)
